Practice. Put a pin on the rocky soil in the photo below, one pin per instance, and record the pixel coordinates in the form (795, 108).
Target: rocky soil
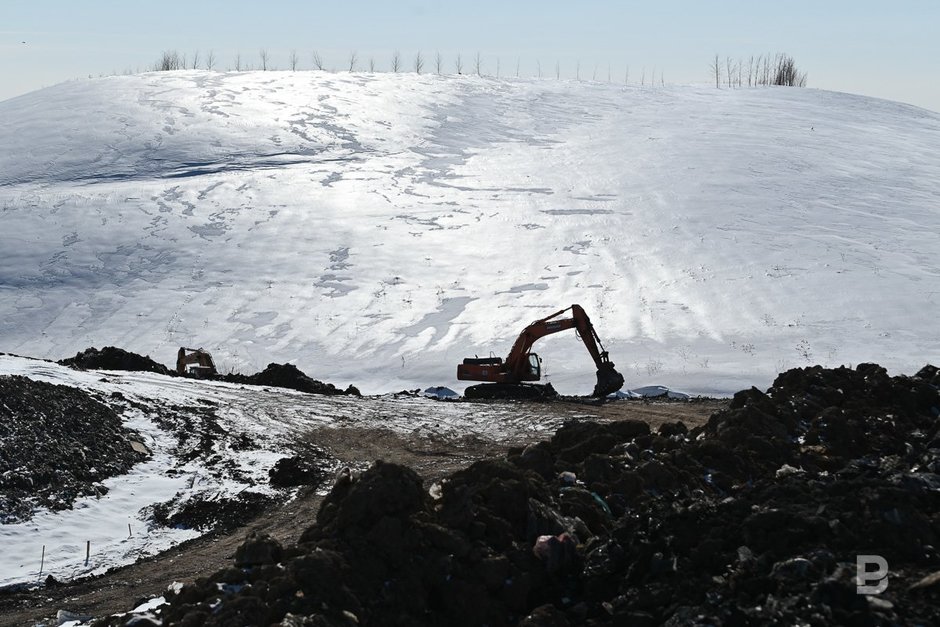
(57, 443)
(113, 358)
(290, 377)
(756, 517)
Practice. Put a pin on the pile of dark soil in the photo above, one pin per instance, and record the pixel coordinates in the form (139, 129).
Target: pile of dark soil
(756, 518)
(205, 512)
(275, 375)
(56, 444)
(291, 377)
(112, 358)
(309, 468)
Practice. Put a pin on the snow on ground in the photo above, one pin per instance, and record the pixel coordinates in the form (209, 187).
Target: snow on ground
(114, 527)
(271, 418)
(375, 229)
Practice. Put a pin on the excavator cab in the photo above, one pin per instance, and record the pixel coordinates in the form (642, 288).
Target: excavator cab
(535, 368)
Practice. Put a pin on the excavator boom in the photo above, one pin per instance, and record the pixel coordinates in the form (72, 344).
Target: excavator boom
(523, 365)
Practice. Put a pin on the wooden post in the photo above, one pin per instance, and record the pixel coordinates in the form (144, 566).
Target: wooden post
(87, 551)
(129, 534)
(42, 560)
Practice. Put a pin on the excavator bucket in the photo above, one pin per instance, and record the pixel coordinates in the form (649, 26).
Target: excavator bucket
(608, 380)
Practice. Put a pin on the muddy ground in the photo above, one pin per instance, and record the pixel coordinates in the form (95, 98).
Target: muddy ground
(432, 455)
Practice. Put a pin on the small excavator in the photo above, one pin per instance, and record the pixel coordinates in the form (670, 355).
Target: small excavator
(195, 362)
(506, 378)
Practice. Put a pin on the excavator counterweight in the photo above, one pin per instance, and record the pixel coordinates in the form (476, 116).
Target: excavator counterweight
(507, 378)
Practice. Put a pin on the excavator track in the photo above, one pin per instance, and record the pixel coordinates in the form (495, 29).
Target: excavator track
(510, 391)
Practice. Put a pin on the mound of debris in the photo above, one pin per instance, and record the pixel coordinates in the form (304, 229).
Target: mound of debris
(113, 358)
(756, 518)
(275, 375)
(291, 377)
(206, 512)
(57, 443)
(310, 468)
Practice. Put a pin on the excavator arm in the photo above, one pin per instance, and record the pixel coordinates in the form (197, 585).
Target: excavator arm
(516, 361)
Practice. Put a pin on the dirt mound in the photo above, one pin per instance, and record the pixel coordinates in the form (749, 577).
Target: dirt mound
(308, 468)
(112, 358)
(291, 377)
(756, 518)
(274, 375)
(57, 443)
(211, 513)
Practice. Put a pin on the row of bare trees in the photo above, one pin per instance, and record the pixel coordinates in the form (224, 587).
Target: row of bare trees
(172, 60)
(779, 69)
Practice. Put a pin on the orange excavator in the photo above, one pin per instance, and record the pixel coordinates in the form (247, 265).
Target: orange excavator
(506, 378)
(195, 362)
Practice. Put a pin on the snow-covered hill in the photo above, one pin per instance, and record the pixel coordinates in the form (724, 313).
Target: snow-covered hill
(376, 229)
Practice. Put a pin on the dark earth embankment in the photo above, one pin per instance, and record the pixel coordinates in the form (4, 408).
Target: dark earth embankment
(290, 377)
(755, 518)
(274, 375)
(57, 443)
(113, 358)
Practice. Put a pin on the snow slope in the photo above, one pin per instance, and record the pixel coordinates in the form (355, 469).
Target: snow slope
(376, 229)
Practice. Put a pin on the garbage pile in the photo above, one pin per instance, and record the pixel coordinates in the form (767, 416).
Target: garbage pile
(290, 377)
(756, 518)
(274, 375)
(57, 443)
(113, 358)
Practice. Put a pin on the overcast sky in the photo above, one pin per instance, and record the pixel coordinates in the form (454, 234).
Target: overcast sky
(887, 49)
